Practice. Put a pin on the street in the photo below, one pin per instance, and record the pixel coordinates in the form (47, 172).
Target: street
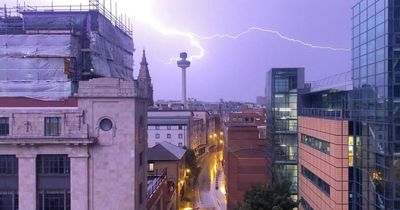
(210, 191)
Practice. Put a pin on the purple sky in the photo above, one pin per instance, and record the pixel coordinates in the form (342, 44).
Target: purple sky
(235, 69)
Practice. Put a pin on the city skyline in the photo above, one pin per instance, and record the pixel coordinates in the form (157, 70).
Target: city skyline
(246, 58)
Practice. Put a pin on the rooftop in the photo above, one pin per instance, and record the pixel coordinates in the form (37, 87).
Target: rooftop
(9, 16)
(165, 151)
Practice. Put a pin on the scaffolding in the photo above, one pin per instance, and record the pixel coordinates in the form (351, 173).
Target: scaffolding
(118, 20)
(46, 50)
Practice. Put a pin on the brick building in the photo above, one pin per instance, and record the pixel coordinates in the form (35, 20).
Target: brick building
(244, 156)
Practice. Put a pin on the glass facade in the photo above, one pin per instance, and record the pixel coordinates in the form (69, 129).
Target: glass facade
(282, 106)
(375, 105)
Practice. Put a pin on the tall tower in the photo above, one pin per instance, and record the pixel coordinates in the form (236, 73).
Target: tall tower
(183, 64)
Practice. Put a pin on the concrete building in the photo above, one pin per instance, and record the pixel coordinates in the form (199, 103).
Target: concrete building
(168, 158)
(72, 118)
(282, 91)
(244, 160)
(180, 128)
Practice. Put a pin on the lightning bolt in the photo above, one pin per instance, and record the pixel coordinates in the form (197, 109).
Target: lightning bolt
(277, 33)
(145, 13)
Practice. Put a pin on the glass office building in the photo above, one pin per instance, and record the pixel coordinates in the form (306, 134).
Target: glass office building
(374, 105)
(282, 90)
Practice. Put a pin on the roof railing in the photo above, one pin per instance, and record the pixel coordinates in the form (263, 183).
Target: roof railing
(121, 21)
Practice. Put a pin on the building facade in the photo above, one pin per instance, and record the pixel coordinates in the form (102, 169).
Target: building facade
(282, 91)
(62, 153)
(180, 128)
(72, 117)
(244, 157)
(325, 155)
(374, 105)
(169, 159)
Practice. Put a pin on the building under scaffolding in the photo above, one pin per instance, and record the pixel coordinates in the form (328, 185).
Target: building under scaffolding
(45, 51)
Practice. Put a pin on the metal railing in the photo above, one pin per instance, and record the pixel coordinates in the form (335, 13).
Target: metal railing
(157, 180)
(341, 81)
(122, 22)
(324, 113)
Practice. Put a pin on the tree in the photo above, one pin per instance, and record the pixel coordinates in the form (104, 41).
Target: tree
(192, 164)
(274, 196)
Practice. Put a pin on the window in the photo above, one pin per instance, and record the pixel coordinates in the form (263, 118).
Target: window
(180, 144)
(9, 200)
(52, 165)
(168, 136)
(157, 135)
(180, 136)
(305, 204)
(318, 182)
(140, 193)
(316, 143)
(52, 126)
(141, 159)
(106, 124)
(55, 199)
(151, 167)
(168, 127)
(8, 165)
(4, 126)
(157, 127)
(180, 127)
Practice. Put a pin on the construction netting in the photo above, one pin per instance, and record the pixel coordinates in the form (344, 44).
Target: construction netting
(48, 59)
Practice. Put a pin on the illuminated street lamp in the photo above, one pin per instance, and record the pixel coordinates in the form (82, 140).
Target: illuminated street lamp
(215, 135)
(221, 133)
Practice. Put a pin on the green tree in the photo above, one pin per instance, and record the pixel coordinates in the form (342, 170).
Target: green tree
(192, 164)
(273, 196)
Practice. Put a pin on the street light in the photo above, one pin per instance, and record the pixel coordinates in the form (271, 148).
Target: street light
(221, 133)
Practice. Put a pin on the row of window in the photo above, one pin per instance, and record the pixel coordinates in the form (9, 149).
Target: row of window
(316, 143)
(180, 136)
(45, 165)
(180, 127)
(318, 182)
(52, 126)
(47, 200)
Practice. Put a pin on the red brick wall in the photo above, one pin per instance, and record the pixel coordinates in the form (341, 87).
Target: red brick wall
(245, 162)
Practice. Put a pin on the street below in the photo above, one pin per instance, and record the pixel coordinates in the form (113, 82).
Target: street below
(210, 190)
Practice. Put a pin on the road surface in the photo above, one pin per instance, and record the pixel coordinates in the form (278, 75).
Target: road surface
(211, 176)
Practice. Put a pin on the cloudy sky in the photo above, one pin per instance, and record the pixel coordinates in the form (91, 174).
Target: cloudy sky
(234, 68)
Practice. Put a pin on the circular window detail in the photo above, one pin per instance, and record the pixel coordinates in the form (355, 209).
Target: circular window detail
(106, 124)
